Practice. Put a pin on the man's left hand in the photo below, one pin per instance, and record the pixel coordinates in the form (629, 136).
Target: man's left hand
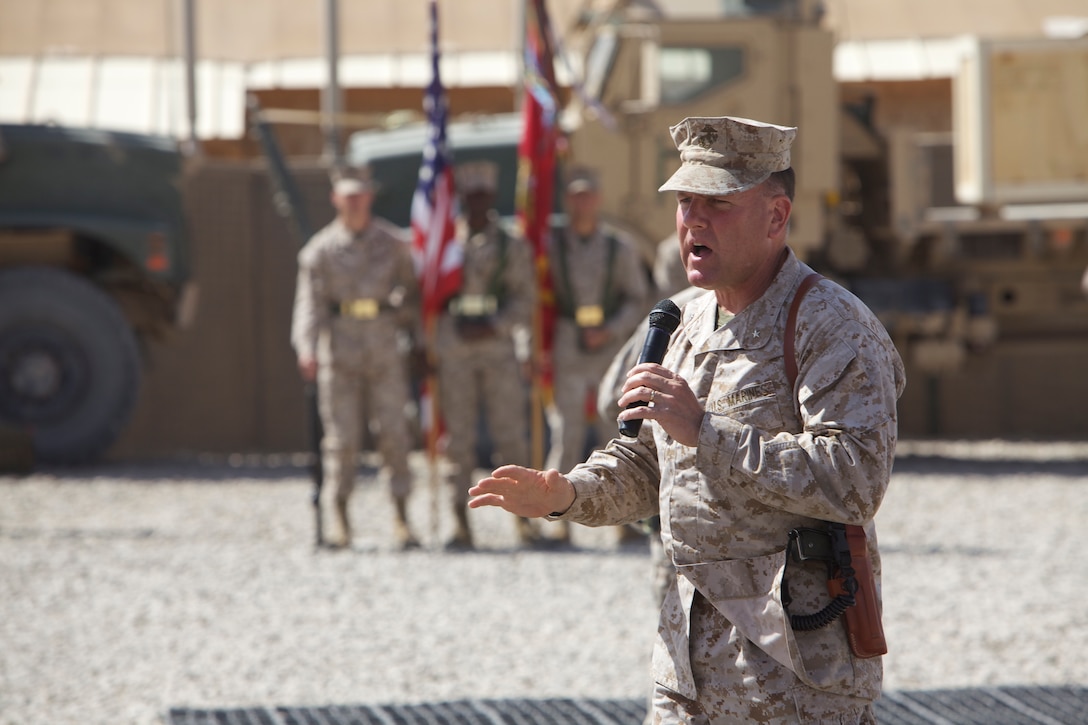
(667, 398)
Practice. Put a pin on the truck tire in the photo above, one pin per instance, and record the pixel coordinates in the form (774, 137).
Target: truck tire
(69, 363)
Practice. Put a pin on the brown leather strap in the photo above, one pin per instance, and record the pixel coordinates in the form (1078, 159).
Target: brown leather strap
(864, 630)
(791, 326)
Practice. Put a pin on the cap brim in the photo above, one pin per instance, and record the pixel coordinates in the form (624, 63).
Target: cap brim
(478, 189)
(712, 180)
(578, 187)
(348, 187)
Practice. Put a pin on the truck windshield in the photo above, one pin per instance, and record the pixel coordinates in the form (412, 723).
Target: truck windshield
(684, 73)
(759, 7)
(599, 63)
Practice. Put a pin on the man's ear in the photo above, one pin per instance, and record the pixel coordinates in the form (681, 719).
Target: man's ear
(781, 208)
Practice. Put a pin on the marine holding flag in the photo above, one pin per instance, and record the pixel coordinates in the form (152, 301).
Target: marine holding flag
(478, 365)
(477, 283)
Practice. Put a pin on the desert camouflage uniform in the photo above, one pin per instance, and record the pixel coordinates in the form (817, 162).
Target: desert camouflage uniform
(497, 265)
(582, 282)
(769, 459)
(359, 355)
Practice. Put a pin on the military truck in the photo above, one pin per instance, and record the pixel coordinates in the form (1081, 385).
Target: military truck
(94, 264)
(953, 238)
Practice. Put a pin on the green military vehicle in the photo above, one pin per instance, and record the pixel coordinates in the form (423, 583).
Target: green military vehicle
(395, 157)
(93, 265)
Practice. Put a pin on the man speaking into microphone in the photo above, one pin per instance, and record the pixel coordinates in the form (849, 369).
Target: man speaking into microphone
(773, 412)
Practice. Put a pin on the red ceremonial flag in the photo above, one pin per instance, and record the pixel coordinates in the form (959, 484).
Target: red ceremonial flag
(434, 204)
(536, 168)
(535, 196)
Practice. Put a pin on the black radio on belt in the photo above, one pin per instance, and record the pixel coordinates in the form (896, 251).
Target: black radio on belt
(850, 582)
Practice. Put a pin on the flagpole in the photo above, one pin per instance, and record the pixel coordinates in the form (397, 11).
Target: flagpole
(537, 404)
(433, 432)
(434, 211)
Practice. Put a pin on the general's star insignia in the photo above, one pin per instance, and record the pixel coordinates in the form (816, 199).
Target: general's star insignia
(755, 334)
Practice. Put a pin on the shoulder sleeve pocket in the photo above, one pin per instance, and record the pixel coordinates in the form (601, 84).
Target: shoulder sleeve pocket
(824, 371)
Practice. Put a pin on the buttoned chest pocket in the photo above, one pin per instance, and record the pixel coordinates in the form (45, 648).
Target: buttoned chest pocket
(756, 405)
(480, 269)
(356, 274)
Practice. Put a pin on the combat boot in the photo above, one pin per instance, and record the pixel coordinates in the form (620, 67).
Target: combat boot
(630, 535)
(563, 539)
(527, 534)
(462, 533)
(401, 533)
(340, 536)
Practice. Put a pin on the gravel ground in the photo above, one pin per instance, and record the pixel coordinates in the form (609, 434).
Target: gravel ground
(127, 589)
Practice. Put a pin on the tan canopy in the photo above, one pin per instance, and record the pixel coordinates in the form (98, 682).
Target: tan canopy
(254, 30)
(114, 63)
(862, 20)
(262, 30)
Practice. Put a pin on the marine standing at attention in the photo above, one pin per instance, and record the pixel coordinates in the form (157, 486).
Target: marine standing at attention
(356, 302)
(601, 291)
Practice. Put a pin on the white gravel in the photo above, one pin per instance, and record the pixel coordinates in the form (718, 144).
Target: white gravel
(128, 589)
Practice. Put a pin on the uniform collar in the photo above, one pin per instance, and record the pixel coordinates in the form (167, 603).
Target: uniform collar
(489, 230)
(755, 325)
(351, 237)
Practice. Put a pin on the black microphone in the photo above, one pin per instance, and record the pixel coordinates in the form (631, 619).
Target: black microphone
(664, 319)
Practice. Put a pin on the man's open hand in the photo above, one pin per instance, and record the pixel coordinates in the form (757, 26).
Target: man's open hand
(524, 491)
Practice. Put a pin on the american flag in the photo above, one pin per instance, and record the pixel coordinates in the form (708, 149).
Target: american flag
(434, 204)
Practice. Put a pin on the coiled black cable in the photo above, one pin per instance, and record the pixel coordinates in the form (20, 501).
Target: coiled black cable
(836, 607)
(824, 617)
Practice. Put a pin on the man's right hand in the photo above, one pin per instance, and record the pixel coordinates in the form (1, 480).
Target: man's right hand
(307, 368)
(524, 491)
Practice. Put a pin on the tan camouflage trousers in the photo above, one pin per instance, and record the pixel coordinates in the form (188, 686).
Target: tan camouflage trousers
(482, 376)
(569, 420)
(718, 660)
(342, 392)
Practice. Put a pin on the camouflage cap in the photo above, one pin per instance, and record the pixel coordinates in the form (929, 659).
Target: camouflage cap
(724, 155)
(356, 180)
(473, 176)
(581, 179)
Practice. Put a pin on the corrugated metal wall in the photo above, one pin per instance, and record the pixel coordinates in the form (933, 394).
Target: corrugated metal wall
(229, 383)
